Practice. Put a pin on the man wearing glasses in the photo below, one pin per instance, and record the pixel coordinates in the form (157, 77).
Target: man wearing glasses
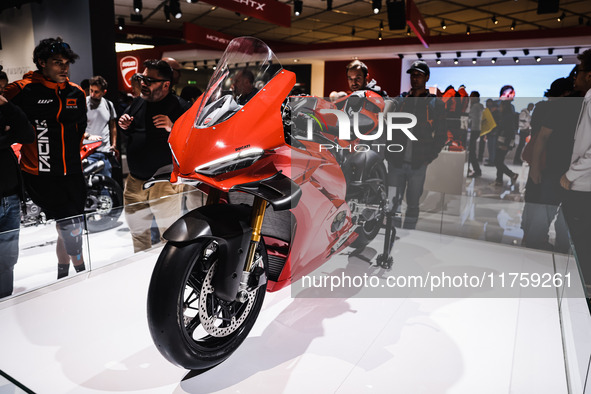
(577, 180)
(52, 171)
(147, 122)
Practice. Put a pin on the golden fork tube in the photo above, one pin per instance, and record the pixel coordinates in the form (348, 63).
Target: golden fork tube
(213, 197)
(259, 207)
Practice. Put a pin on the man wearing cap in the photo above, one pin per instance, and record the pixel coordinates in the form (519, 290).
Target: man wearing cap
(407, 169)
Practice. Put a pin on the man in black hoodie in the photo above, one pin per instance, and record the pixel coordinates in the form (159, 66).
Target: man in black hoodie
(14, 128)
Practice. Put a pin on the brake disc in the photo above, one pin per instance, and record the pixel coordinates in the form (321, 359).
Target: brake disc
(210, 309)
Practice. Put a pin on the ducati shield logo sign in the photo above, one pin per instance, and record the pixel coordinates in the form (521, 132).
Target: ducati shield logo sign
(394, 121)
(128, 66)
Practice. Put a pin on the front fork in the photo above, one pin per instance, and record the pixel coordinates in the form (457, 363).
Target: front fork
(251, 278)
(259, 207)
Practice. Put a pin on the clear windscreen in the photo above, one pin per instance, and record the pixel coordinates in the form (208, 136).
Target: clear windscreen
(244, 69)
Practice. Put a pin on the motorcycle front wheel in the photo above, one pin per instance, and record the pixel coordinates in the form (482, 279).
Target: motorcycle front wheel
(190, 326)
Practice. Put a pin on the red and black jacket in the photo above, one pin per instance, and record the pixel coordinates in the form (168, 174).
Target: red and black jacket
(58, 113)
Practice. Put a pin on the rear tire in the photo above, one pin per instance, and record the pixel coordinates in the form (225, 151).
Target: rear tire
(375, 194)
(103, 210)
(179, 285)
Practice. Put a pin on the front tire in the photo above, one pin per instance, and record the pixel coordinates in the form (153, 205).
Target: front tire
(190, 326)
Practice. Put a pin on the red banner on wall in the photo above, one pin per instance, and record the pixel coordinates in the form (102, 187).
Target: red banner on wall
(415, 20)
(207, 37)
(268, 10)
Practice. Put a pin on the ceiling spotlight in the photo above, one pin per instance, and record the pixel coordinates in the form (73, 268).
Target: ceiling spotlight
(458, 54)
(526, 52)
(438, 54)
(493, 60)
(503, 52)
(380, 36)
(473, 60)
(408, 31)
(512, 26)
(353, 31)
(192, 1)
(167, 13)
(297, 7)
(120, 23)
(479, 53)
(538, 59)
(455, 61)
(137, 6)
(468, 30)
(443, 25)
(438, 61)
(559, 58)
(195, 68)
(381, 25)
(328, 5)
(401, 56)
(377, 6)
(550, 51)
(581, 20)
(561, 17)
(577, 49)
(516, 59)
(175, 9)
(494, 20)
(420, 55)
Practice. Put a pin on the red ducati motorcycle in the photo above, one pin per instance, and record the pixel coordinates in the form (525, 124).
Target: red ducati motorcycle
(278, 207)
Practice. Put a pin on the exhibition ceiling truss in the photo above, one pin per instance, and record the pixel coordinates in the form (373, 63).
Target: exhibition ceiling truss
(330, 21)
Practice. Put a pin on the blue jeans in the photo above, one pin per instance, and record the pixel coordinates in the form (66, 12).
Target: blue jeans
(10, 219)
(409, 180)
(96, 156)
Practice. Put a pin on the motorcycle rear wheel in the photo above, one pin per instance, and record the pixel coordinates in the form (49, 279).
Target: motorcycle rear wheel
(372, 195)
(103, 209)
(179, 285)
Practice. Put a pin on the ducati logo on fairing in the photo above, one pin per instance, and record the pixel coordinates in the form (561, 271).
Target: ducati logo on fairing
(242, 147)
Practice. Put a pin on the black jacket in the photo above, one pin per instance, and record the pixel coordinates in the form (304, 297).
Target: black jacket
(430, 130)
(14, 128)
(147, 146)
(58, 113)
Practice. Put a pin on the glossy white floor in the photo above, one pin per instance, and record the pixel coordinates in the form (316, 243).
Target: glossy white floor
(89, 334)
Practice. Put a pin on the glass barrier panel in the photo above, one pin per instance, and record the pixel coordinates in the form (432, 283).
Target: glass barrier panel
(37, 264)
(9, 385)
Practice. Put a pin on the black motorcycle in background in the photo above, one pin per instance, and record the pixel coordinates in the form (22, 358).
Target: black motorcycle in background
(104, 196)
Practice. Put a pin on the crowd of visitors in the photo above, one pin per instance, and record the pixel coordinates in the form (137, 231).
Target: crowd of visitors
(51, 116)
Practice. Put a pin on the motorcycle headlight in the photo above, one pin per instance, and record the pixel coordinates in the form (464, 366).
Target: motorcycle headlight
(233, 162)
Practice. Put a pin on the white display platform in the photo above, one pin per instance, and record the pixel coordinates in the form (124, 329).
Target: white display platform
(89, 334)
